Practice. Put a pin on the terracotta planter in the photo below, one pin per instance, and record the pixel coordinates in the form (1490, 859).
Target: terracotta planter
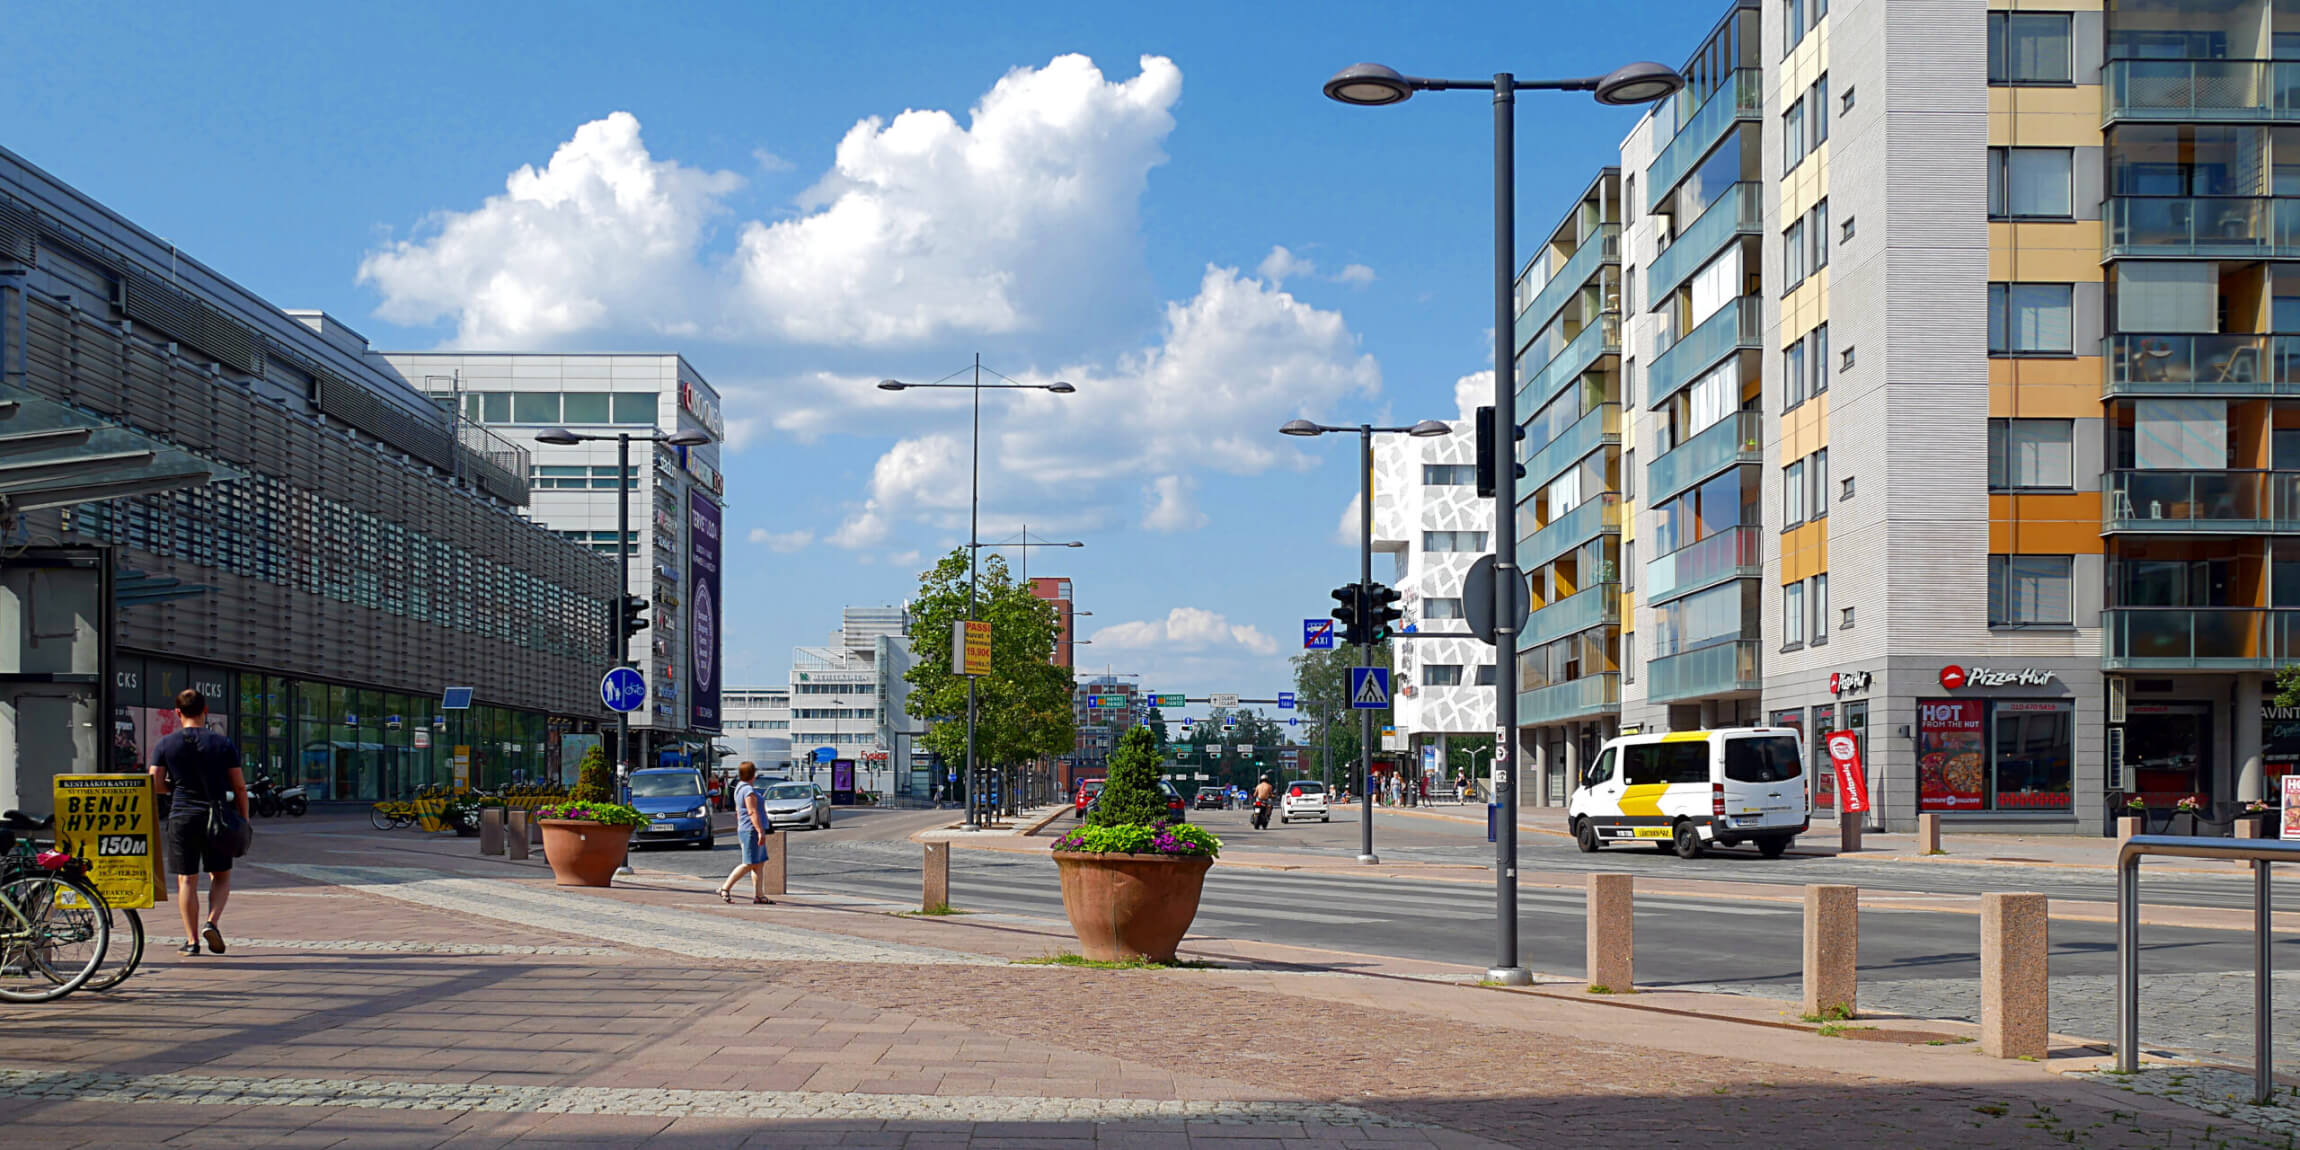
(583, 853)
(1130, 906)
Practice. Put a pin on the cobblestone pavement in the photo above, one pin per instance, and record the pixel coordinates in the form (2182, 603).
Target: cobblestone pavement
(2227, 1093)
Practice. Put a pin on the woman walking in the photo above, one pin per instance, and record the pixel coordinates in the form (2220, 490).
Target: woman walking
(751, 830)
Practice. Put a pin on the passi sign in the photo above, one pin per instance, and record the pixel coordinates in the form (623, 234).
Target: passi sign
(1852, 779)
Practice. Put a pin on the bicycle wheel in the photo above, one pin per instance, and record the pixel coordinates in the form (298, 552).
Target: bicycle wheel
(381, 819)
(124, 954)
(52, 936)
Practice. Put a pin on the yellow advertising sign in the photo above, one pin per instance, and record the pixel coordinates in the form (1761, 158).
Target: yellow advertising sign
(971, 641)
(112, 821)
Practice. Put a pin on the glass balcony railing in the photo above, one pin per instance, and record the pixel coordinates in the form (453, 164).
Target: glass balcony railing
(1595, 252)
(1580, 698)
(1742, 98)
(1739, 212)
(1737, 325)
(1594, 606)
(2219, 502)
(2202, 364)
(1587, 434)
(1719, 670)
(2199, 638)
(1738, 438)
(2225, 227)
(1595, 342)
(1734, 553)
(1593, 518)
(2200, 90)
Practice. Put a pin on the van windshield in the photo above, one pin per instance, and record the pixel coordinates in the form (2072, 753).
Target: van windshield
(1770, 759)
(1681, 762)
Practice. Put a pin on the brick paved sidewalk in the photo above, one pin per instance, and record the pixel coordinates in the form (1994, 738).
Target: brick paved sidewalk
(451, 1005)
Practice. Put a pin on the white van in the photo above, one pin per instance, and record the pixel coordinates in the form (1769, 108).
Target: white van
(1689, 790)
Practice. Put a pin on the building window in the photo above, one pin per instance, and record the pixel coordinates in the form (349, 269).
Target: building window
(2031, 590)
(1793, 495)
(2032, 453)
(1819, 101)
(2032, 183)
(1793, 615)
(1845, 230)
(1819, 355)
(1845, 360)
(1453, 541)
(1793, 256)
(1792, 25)
(1847, 489)
(1449, 474)
(2030, 48)
(1793, 135)
(1817, 234)
(1793, 375)
(634, 407)
(1845, 102)
(1820, 596)
(2032, 319)
(1441, 674)
(1485, 675)
(535, 407)
(1441, 609)
(1817, 471)
(1847, 615)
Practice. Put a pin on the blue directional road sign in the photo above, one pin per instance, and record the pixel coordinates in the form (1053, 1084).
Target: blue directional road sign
(1317, 634)
(1285, 700)
(1369, 688)
(623, 689)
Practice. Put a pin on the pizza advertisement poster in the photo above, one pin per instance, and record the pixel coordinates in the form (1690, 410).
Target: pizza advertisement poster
(1952, 755)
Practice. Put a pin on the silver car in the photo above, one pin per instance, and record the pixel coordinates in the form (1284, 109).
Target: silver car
(796, 805)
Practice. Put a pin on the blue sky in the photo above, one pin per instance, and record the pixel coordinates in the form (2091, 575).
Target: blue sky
(700, 183)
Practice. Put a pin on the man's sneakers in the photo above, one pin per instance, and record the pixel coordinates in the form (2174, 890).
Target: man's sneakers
(215, 939)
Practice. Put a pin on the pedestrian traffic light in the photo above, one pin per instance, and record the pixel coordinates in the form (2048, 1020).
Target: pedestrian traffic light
(1485, 452)
(633, 616)
(1351, 611)
(1381, 610)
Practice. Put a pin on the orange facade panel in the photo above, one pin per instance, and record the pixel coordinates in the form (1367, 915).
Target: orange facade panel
(2045, 524)
(2064, 388)
(1805, 551)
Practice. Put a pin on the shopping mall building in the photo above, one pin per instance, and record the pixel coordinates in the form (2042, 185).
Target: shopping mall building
(355, 551)
(1932, 372)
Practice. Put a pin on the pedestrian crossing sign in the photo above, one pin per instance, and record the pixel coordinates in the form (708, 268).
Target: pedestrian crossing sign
(1369, 688)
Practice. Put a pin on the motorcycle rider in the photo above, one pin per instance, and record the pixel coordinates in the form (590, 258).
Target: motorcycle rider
(1265, 794)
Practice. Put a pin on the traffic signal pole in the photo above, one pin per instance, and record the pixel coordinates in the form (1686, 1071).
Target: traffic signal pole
(1365, 645)
(622, 603)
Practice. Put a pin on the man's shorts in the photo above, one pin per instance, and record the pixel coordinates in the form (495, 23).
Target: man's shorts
(186, 842)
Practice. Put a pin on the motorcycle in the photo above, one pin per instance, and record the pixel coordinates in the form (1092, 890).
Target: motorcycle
(1262, 814)
(269, 799)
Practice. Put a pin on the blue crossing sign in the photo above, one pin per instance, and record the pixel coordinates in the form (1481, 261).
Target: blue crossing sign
(1285, 700)
(1369, 688)
(623, 689)
(1317, 634)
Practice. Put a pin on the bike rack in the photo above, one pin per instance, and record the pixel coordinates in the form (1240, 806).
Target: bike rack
(2261, 853)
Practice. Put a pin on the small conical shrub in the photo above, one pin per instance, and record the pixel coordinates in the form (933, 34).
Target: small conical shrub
(1130, 795)
(595, 782)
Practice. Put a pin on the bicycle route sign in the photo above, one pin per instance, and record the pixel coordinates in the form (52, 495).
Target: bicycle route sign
(623, 689)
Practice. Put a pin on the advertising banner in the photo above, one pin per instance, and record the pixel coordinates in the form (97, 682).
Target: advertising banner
(2291, 818)
(703, 611)
(970, 647)
(1852, 780)
(842, 782)
(1952, 761)
(112, 821)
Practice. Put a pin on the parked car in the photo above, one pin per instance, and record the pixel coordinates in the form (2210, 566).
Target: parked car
(1087, 789)
(1304, 799)
(797, 805)
(1212, 799)
(1174, 804)
(677, 804)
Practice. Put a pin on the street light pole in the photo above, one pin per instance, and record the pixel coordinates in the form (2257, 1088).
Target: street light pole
(622, 597)
(1376, 85)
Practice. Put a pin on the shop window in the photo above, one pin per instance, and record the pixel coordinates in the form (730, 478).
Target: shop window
(2031, 183)
(2031, 590)
(2032, 751)
(2030, 48)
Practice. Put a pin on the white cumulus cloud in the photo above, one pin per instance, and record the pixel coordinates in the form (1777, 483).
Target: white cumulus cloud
(1171, 506)
(1187, 629)
(782, 541)
(1471, 392)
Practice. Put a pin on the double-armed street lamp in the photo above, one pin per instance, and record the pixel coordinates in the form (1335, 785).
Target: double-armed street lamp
(1374, 85)
(974, 536)
(626, 622)
(1366, 432)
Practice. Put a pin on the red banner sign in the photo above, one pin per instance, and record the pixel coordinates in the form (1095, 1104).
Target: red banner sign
(1852, 780)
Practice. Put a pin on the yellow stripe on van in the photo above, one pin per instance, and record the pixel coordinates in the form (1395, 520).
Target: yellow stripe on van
(1643, 799)
(1686, 737)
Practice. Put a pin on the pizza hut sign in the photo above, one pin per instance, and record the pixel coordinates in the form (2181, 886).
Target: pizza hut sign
(1848, 682)
(1954, 677)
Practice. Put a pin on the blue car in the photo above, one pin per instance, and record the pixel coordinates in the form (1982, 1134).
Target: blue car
(677, 805)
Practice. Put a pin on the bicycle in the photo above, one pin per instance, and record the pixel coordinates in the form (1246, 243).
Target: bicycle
(388, 815)
(54, 927)
(126, 923)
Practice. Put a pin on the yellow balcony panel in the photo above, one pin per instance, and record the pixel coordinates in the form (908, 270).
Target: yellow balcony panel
(2040, 251)
(2045, 388)
(2045, 117)
(2045, 523)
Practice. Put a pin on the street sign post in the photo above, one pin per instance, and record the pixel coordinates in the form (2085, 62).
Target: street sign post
(1106, 701)
(1169, 701)
(1285, 700)
(1317, 634)
(623, 689)
(1477, 600)
(1369, 688)
(1222, 700)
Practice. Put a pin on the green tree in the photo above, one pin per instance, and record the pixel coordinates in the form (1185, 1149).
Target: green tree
(1157, 722)
(594, 780)
(1130, 796)
(1322, 691)
(1023, 706)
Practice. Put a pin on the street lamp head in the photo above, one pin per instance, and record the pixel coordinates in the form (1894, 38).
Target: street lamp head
(1074, 543)
(558, 437)
(688, 437)
(891, 385)
(1427, 428)
(1060, 387)
(1369, 85)
(1639, 83)
(1301, 427)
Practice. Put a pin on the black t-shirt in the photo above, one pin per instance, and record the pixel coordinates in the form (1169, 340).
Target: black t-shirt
(199, 764)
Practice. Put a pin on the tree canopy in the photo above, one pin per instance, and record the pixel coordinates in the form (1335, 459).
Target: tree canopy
(1023, 705)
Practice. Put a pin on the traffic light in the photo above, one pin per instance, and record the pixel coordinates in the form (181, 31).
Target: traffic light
(633, 616)
(1381, 611)
(1351, 612)
(1485, 452)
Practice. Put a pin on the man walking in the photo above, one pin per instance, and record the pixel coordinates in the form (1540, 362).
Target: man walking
(200, 770)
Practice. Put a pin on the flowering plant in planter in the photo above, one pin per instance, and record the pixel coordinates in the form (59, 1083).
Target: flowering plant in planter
(2258, 807)
(2190, 804)
(604, 814)
(1137, 839)
(2136, 804)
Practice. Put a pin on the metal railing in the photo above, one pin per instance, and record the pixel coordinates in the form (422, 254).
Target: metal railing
(2260, 853)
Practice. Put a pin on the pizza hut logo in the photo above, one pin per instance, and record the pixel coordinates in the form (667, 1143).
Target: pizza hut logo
(1952, 677)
